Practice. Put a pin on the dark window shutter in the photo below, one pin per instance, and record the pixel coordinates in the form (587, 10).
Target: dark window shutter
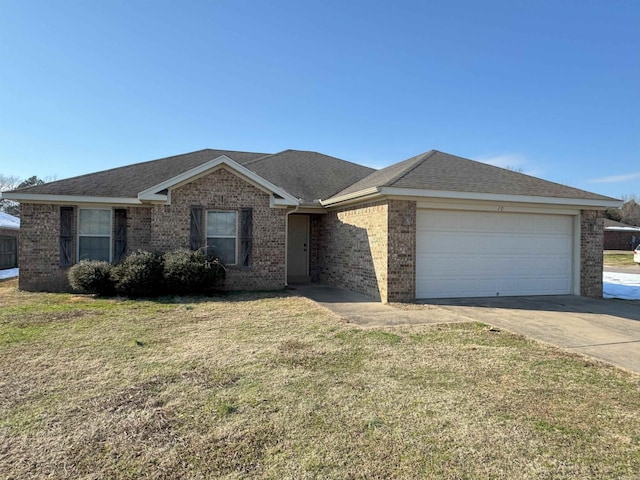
(246, 238)
(66, 236)
(195, 239)
(120, 238)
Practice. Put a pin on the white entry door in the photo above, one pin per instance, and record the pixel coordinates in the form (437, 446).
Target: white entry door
(298, 249)
(486, 254)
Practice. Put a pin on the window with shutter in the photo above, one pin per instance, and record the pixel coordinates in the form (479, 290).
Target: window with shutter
(222, 236)
(94, 234)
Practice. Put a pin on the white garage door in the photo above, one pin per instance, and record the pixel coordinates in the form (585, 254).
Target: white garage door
(484, 254)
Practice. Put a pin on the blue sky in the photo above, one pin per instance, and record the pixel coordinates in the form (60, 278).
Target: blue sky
(549, 87)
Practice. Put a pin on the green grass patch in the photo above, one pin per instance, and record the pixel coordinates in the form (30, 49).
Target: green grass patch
(270, 386)
(619, 260)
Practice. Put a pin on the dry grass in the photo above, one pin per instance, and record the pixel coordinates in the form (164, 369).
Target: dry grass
(271, 386)
(619, 259)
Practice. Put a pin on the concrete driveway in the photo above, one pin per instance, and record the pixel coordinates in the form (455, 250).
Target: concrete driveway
(608, 330)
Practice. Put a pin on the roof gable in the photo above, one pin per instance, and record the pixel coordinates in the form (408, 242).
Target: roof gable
(128, 181)
(157, 192)
(315, 179)
(438, 171)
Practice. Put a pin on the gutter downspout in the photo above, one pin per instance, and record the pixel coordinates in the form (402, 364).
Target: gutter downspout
(286, 244)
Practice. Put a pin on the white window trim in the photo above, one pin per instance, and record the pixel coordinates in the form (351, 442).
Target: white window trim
(236, 236)
(110, 236)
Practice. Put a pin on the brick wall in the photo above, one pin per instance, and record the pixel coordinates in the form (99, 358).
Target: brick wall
(138, 229)
(315, 234)
(370, 249)
(222, 190)
(402, 251)
(591, 246)
(620, 240)
(39, 249)
(353, 249)
(163, 228)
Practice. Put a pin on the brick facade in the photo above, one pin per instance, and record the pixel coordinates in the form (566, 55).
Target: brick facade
(370, 249)
(161, 228)
(39, 249)
(223, 191)
(402, 251)
(621, 239)
(138, 229)
(591, 246)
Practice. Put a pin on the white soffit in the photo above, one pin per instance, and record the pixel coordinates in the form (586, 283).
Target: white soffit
(494, 197)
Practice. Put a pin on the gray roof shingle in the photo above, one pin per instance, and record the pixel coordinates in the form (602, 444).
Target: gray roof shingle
(434, 170)
(128, 181)
(306, 175)
(311, 176)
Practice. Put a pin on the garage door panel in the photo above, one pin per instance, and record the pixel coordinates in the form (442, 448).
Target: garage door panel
(474, 254)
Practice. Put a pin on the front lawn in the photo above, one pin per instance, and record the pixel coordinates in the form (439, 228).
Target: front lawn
(622, 259)
(273, 386)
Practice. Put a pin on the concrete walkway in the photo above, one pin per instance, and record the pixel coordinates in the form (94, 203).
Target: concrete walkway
(608, 330)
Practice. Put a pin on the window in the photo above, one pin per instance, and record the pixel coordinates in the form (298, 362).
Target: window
(94, 234)
(222, 233)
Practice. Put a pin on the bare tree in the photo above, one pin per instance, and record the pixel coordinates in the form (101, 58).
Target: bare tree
(8, 183)
(11, 182)
(629, 212)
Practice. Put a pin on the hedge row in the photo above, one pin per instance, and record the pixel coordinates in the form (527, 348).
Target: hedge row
(146, 274)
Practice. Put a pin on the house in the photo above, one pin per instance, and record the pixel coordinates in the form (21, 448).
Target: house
(433, 226)
(9, 237)
(620, 236)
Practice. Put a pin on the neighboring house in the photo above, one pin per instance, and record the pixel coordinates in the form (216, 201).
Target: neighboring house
(432, 226)
(9, 238)
(620, 236)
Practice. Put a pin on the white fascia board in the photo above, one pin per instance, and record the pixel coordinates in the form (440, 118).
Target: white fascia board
(150, 194)
(622, 229)
(499, 197)
(42, 198)
(367, 192)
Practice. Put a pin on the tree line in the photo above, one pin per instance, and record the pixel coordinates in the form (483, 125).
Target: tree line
(11, 182)
(629, 213)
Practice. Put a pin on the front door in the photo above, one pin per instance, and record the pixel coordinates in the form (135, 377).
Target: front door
(298, 249)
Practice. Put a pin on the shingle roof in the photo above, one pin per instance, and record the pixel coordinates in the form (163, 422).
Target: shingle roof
(436, 170)
(306, 175)
(310, 176)
(128, 181)
(612, 224)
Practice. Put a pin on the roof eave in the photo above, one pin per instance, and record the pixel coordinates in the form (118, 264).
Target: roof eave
(367, 193)
(501, 197)
(64, 199)
(375, 192)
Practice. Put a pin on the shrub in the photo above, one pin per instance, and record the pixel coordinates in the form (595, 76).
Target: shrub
(192, 272)
(138, 275)
(91, 277)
